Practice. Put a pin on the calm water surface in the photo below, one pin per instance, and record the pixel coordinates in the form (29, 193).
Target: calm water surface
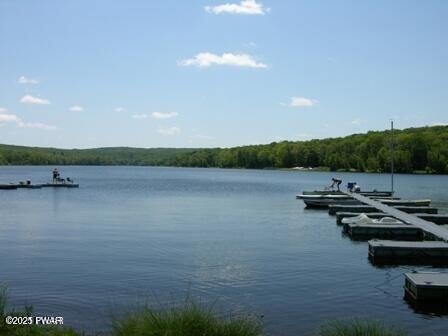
(238, 237)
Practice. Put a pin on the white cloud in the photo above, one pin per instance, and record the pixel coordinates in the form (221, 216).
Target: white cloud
(301, 102)
(356, 121)
(120, 109)
(140, 116)
(9, 118)
(207, 59)
(76, 108)
(28, 99)
(164, 115)
(169, 131)
(247, 7)
(24, 80)
(15, 119)
(3, 110)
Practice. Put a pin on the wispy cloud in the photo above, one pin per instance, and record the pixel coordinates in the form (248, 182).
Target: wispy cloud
(3, 110)
(8, 118)
(28, 99)
(119, 109)
(246, 7)
(25, 80)
(76, 108)
(140, 116)
(301, 102)
(207, 59)
(169, 131)
(164, 115)
(20, 123)
(356, 121)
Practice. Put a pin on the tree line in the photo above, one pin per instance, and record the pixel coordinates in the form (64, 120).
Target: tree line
(415, 149)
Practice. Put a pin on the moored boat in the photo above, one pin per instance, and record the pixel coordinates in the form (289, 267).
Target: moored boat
(320, 197)
(326, 202)
(371, 193)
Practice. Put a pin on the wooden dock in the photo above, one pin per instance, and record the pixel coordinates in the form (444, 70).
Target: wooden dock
(429, 228)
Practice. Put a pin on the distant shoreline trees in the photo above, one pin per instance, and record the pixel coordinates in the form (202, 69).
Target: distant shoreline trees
(423, 149)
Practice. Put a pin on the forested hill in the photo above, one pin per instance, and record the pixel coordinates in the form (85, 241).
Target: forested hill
(416, 149)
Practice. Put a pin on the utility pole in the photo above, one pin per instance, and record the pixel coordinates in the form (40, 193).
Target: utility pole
(392, 155)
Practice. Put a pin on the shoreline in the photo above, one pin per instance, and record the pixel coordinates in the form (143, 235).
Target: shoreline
(293, 169)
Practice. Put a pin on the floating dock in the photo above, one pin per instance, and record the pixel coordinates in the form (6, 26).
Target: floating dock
(8, 186)
(407, 252)
(334, 208)
(419, 221)
(434, 218)
(431, 230)
(60, 185)
(15, 186)
(427, 286)
(376, 231)
(29, 186)
(414, 203)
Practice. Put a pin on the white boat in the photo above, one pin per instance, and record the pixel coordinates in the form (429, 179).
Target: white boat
(323, 201)
(366, 220)
(323, 197)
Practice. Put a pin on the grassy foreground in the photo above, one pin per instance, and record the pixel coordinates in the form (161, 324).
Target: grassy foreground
(189, 320)
(357, 327)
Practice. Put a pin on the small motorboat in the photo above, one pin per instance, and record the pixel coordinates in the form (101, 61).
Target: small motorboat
(320, 197)
(371, 193)
(323, 201)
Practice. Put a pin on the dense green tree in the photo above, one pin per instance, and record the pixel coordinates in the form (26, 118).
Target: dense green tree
(422, 149)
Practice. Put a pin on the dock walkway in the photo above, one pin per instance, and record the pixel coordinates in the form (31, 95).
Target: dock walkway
(428, 227)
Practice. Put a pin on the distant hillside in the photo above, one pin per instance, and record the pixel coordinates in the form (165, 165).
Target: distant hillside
(416, 149)
(20, 155)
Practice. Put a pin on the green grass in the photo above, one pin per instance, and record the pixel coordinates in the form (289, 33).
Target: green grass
(189, 320)
(357, 327)
(27, 330)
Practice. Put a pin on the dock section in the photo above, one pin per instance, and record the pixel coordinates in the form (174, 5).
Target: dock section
(407, 252)
(427, 286)
(429, 228)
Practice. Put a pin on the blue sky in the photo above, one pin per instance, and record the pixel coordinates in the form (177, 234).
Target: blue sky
(210, 73)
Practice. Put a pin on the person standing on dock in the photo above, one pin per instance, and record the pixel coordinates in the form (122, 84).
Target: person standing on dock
(336, 182)
(55, 175)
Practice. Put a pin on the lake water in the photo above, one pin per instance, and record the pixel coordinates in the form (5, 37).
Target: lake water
(235, 237)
